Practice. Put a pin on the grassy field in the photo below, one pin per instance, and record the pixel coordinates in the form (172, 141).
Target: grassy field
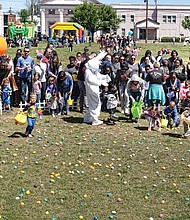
(70, 170)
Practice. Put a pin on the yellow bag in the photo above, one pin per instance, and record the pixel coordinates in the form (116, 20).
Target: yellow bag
(20, 118)
(164, 122)
(69, 101)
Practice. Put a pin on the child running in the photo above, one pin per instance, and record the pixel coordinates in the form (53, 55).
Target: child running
(32, 109)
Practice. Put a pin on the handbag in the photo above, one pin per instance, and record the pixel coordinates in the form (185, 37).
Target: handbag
(136, 109)
(21, 118)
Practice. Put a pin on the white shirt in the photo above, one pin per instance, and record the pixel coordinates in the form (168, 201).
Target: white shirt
(41, 70)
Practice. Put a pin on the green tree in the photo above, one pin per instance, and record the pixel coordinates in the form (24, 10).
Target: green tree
(109, 19)
(186, 23)
(24, 15)
(96, 17)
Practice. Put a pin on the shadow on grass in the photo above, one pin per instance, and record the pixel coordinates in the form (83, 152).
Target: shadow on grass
(141, 128)
(173, 135)
(17, 135)
(73, 119)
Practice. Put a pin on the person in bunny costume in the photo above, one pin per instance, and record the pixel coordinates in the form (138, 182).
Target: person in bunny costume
(93, 79)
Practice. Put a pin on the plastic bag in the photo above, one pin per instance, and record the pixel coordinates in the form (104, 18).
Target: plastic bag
(20, 118)
(136, 109)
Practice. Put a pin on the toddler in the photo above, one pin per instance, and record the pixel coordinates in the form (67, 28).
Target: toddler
(184, 89)
(53, 103)
(32, 109)
(153, 117)
(37, 86)
(6, 93)
(51, 87)
(170, 112)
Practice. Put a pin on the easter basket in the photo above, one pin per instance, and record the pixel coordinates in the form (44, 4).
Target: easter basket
(69, 101)
(20, 118)
(164, 122)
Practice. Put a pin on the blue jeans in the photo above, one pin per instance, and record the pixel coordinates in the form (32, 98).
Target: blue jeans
(25, 86)
(38, 97)
(31, 123)
(64, 102)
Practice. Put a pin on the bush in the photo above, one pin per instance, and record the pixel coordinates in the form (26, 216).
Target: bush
(169, 39)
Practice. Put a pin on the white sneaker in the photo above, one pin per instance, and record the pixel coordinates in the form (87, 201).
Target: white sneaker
(98, 122)
(30, 135)
(59, 113)
(122, 111)
(187, 134)
(53, 115)
(126, 111)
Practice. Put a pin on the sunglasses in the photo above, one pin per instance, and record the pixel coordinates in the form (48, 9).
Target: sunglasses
(121, 59)
(26, 51)
(188, 97)
(133, 58)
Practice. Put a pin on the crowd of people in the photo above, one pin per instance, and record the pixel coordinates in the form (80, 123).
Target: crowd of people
(114, 78)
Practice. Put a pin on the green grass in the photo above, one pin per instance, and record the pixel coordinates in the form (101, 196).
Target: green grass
(125, 160)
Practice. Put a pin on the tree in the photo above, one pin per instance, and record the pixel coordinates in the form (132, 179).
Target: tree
(96, 17)
(186, 23)
(109, 19)
(24, 15)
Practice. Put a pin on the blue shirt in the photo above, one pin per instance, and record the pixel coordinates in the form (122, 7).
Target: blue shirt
(173, 112)
(24, 62)
(65, 85)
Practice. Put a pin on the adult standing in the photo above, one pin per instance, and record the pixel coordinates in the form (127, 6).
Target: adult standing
(135, 66)
(172, 59)
(72, 69)
(46, 58)
(93, 80)
(40, 68)
(25, 65)
(54, 67)
(81, 78)
(156, 93)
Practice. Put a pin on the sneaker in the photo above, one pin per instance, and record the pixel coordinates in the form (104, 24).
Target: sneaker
(53, 115)
(126, 111)
(187, 134)
(122, 111)
(59, 113)
(30, 135)
(67, 112)
(87, 121)
(98, 122)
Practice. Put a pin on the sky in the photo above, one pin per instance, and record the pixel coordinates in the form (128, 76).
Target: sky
(17, 5)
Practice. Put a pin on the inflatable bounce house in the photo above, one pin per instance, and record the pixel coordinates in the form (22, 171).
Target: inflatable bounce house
(21, 29)
(71, 27)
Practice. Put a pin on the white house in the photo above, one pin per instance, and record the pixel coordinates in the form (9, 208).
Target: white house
(53, 11)
(163, 20)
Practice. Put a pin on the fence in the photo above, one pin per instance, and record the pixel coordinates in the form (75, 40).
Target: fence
(45, 105)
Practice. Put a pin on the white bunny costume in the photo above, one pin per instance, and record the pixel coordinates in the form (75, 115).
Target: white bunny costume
(93, 79)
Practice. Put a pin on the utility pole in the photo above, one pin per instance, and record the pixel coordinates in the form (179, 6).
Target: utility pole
(32, 10)
(146, 40)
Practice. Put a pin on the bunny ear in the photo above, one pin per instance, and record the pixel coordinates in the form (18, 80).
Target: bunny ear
(37, 52)
(101, 55)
